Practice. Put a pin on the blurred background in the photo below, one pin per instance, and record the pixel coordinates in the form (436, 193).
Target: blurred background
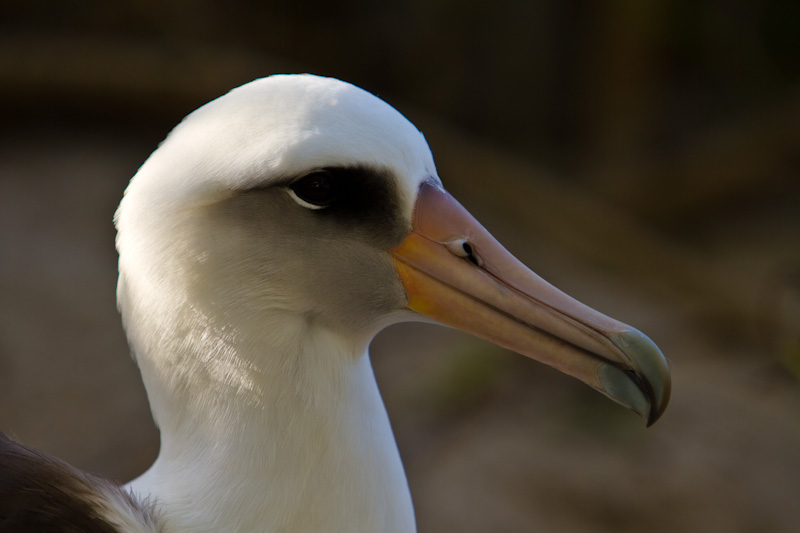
(642, 156)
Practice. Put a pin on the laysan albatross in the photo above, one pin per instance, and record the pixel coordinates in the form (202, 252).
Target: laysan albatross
(261, 247)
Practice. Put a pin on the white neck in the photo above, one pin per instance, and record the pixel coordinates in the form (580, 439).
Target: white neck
(293, 439)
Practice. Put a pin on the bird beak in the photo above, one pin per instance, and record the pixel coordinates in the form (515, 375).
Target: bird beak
(456, 273)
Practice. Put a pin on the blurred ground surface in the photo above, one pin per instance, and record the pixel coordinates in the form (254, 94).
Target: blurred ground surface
(671, 136)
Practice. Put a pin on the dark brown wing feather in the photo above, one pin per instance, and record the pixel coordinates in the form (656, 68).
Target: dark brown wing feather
(40, 493)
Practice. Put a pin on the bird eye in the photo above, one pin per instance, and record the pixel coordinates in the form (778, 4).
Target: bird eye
(315, 190)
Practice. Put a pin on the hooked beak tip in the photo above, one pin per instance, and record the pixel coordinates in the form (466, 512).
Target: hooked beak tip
(645, 388)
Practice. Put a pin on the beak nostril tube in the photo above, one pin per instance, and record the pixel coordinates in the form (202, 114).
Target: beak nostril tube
(464, 249)
(470, 253)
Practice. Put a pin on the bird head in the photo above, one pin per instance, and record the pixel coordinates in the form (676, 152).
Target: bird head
(306, 199)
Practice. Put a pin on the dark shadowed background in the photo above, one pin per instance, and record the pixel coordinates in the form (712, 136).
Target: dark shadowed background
(642, 156)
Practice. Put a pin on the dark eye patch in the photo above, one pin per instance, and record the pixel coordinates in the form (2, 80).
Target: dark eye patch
(362, 201)
(355, 194)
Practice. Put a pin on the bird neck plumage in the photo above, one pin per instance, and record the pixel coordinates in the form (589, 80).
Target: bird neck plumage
(288, 433)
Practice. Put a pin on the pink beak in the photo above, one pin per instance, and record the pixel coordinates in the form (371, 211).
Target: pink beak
(456, 273)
